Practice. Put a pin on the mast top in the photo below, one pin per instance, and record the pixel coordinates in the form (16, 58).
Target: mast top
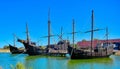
(106, 31)
(27, 32)
(92, 12)
(14, 40)
(92, 16)
(61, 33)
(49, 15)
(73, 21)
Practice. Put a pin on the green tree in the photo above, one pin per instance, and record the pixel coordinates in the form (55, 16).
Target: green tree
(83, 40)
(6, 47)
(20, 66)
(95, 39)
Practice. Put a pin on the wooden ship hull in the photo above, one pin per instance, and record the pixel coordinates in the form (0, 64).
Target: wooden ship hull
(31, 48)
(82, 54)
(59, 49)
(15, 50)
(35, 50)
(77, 56)
(53, 50)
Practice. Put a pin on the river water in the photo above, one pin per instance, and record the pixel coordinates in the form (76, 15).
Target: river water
(47, 62)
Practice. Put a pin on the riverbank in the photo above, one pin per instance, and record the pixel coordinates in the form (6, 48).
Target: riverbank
(4, 50)
(117, 53)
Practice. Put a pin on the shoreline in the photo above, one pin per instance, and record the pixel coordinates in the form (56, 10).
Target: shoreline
(117, 53)
(4, 50)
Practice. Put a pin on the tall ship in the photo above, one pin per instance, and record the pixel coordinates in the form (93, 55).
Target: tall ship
(51, 49)
(30, 47)
(99, 51)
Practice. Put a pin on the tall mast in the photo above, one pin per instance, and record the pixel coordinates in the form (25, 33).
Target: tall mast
(107, 35)
(27, 33)
(92, 31)
(14, 40)
(61, 33)
(49, 27)
(73, 32)
(106, 38)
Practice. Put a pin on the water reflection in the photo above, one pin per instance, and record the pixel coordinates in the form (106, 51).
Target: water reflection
(47, 62)
(44, 62)
(99, 63)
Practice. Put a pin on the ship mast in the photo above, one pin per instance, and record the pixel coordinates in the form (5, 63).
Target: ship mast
(61, 33)
(106, 38)
(92, 31)
(14, 40)
(49, 27)
(107, 35)
(73, 32)
(27, 33)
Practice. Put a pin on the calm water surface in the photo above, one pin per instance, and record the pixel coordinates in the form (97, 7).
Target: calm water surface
(45, 62)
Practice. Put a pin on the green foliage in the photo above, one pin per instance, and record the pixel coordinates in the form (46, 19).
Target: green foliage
(18, 66)
(95, 39)
(74, 45)
(42, 47)
(83, 40)
(6, 47)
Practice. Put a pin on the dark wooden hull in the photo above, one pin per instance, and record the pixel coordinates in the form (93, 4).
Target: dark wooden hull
(15, 50)
(81, 56)
(33, 50)
(78, 54)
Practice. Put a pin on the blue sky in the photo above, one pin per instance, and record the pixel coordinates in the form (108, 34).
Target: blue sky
(15, 13)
